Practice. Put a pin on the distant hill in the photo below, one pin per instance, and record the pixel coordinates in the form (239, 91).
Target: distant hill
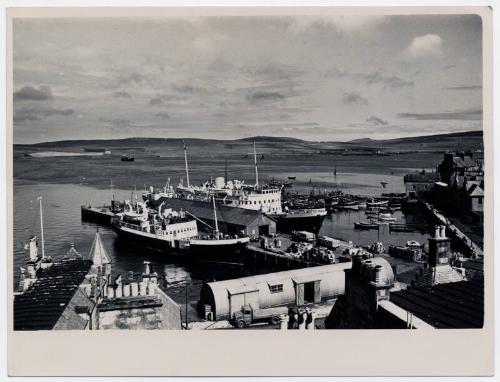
(471, 140)
(361, 140)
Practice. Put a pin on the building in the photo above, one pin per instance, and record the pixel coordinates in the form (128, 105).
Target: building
(438, 269)
(288, 288)
(231, 220)
(54, 300)
(418, 183)
(138, 303)
(77, 294)
(457, 168)
(474, 196)
(441, 297)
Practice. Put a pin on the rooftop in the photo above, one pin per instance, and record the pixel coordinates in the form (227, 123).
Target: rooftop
(41, 306)
(204, 210)
(453, 305)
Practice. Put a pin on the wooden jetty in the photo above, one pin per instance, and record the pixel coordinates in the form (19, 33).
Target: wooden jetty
(101, 215)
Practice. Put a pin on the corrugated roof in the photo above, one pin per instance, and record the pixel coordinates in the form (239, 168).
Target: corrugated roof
(231, 215)
(40, 307)
(452, 305)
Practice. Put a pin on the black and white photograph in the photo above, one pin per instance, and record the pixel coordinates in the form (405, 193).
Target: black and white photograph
(294, 172)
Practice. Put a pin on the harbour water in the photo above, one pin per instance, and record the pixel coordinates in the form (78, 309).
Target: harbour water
(63, 227)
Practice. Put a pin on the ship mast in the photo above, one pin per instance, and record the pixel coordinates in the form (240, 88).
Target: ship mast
(186, 163)
(255, 163)
(216, 225)
(41, 227)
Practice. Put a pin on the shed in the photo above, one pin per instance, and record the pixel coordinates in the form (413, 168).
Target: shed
(231, 220)
(295, 287)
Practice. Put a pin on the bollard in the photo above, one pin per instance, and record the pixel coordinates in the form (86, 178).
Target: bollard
(284, 318)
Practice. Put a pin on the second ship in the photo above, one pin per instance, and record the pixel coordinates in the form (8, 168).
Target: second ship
(234, 193)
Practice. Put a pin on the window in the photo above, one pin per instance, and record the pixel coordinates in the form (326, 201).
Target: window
(276, 288)
(480, 200)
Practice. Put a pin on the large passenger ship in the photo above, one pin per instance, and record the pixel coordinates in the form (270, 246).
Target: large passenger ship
(259, 197)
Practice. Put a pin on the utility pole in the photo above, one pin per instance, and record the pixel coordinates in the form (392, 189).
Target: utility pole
(41, 227)
(187, 289)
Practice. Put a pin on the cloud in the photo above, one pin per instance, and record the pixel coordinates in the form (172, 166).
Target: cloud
(133, 78)
(264, 95)
(376, 121)
(378, 77)
(352, 98)
(424, 46)
(162, 99)
(465, 115)
(121, 94)
(117, 122)
(31, 93)
(464, 87)
(38, 114)
(343, 23)
(448, 67)
(388, 80)
(163, 115)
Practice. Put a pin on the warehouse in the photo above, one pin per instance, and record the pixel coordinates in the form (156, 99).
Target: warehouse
(231, 220)
(296, 287)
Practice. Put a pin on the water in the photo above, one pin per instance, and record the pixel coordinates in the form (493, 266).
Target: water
(63, 226)
(341, 225)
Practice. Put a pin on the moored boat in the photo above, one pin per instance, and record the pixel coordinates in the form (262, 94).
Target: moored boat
(366, 225)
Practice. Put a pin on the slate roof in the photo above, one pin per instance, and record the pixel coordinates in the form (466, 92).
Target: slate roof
(453, 305)
(40, 307)
(465, 162)
(231, 215)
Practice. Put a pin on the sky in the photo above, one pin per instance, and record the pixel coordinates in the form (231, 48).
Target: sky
(318, 78)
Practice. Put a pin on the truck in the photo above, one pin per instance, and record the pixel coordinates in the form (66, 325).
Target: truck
(303, 236)
(248, 315)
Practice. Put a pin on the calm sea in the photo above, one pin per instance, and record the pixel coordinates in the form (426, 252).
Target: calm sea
(63, 227)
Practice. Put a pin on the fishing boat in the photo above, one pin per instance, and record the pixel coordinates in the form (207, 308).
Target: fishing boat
(348, 205)
(175, 233)
(292, 177)
(226, 246)
(376, 203)
(383, 183)
(386, 217)
(366, 225)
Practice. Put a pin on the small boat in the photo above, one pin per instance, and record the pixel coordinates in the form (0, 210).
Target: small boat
(127, 158)
(376, 203)
(386, 217)
(413, 243)
(366, 225)
(383, 183)
(348, 205)
(292, 177)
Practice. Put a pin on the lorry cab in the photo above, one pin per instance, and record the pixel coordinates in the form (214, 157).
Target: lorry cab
(243, 317)
(247, 315)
